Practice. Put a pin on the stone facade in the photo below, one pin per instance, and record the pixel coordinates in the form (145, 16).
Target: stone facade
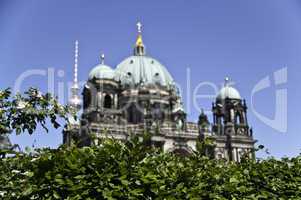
(140, 96)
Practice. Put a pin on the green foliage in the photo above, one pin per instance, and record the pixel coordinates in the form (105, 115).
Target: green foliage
(128, 170)
(22, 113)
(133, 170)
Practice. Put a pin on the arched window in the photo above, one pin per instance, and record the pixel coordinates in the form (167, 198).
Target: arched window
(157, 112)
(108, 101)
(130, 112)
(87, 98)
(239, 118)
(134, 114)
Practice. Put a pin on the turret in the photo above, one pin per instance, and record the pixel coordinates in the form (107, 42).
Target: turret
(235, 138)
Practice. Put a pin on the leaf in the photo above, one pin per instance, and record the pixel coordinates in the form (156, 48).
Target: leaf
(56, 195)
(233, 180)
(59, 179)
(27, 191)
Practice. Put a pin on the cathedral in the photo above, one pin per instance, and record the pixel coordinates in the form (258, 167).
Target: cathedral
(140, 96)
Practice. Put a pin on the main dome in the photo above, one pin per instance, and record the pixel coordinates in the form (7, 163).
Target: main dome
(141, 69)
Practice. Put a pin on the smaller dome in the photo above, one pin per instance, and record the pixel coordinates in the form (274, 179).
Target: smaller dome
(228, 92)
(101, 71)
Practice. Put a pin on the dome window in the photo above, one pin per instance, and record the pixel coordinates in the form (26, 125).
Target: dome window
(129, 74)
(131, 62)
(157, 74)
(152, 62)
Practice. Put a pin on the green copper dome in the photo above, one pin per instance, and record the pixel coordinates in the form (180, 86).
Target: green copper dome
(140, 69)
(101, 71)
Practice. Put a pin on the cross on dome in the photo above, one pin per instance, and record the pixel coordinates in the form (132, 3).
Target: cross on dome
(139, 27)
(139, 48)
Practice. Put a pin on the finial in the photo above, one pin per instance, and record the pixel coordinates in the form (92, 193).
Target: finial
(102, 58)
(75, 62)
(139, 27)
(227, 80)
(139, 48)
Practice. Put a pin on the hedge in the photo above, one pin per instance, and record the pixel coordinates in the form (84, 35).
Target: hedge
(131, 170)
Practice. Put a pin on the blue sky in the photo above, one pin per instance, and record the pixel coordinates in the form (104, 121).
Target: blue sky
(246, 40)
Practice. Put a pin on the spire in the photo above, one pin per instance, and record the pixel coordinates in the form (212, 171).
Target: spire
(74, 101)
(139, 47)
